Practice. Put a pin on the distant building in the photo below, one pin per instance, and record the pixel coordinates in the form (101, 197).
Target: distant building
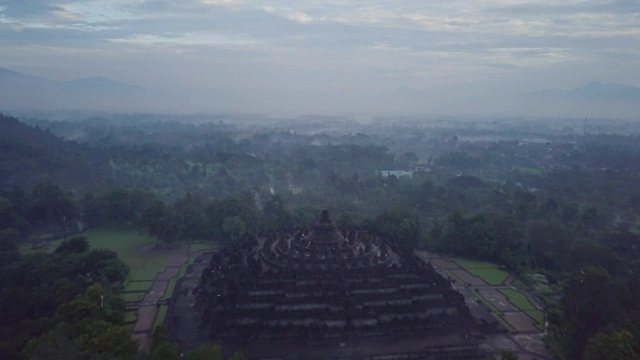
(396, 173)
(419, 168)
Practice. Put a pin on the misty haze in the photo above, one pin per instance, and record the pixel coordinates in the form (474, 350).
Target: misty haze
(297, 180)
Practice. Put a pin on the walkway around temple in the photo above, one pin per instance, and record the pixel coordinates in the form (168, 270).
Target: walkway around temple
(517, 310)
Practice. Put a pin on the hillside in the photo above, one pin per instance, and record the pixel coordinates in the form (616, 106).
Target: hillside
(20, 91)
(32, 155)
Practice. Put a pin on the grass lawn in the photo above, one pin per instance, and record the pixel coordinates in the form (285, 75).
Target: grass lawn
(490, 276)
(521, 302)
(472, 264)
(518, 299)
(162, 313)
(132, 296)
(130, 246)
(137, 286)
(183, 270)
(201, 247)
(538, 316)
(130, 316)
(486, 271)
(171, 287)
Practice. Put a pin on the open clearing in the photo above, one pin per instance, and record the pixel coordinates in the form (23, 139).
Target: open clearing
(154, 271)
(139, 251)
(488, 272)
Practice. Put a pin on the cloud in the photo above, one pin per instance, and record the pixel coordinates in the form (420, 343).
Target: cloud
(407, 44)
(21, 8)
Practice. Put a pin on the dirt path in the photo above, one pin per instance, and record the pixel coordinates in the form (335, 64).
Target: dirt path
(148, 306)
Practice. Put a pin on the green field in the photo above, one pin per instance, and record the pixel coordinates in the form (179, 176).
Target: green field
(171, 287)
(490, 276)
(130, 316)
(518, 299)
(473, 264)
(484, 270)
(162, 313)
(521, 302)
(130, 246)
(201, 247)
(137, 286)
(183, 269)
(538, 316)
(132, 296)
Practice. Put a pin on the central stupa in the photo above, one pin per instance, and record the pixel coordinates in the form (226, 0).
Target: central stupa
(323, 293)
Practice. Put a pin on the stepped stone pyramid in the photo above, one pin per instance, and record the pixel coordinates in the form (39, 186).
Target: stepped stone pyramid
(323, 293)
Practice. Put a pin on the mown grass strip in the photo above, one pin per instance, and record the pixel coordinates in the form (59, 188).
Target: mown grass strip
(162, 313)
(171, 287)
(538, 317)
(183, 271)
(130, 316)
(473, 264)
(518, 299)
(490, 276)
(488, 272)
(132, 296)
(133, 248)
(137, 286)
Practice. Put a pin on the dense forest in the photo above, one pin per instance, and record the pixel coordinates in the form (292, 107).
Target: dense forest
(557, 207)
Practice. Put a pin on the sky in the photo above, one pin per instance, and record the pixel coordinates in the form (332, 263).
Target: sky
(329, 56)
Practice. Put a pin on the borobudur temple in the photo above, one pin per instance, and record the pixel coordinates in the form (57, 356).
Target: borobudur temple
(324, 293)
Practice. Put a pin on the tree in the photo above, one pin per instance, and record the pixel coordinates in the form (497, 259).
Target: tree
(9, 246)
(508, 355)
(241, 206)
(274, 214)
(58, 348)
(234, 227)
(206, 351)
(237, 356)
(191, 213)
(162, 222)
(101, 337)
(592, 300)
(611, 345)
(159, 336)
(49, 205)
(166, 351)
(408, 157)
(400, 225)
(77, 244)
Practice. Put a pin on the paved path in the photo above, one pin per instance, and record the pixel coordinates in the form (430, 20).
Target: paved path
(148, 306)
(526, 340)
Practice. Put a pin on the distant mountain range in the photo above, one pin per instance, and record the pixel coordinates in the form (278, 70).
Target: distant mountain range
(20, 91)
(593, 91)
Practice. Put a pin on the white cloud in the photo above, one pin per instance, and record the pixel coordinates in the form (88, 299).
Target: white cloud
(185, 40)
(358, 44)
